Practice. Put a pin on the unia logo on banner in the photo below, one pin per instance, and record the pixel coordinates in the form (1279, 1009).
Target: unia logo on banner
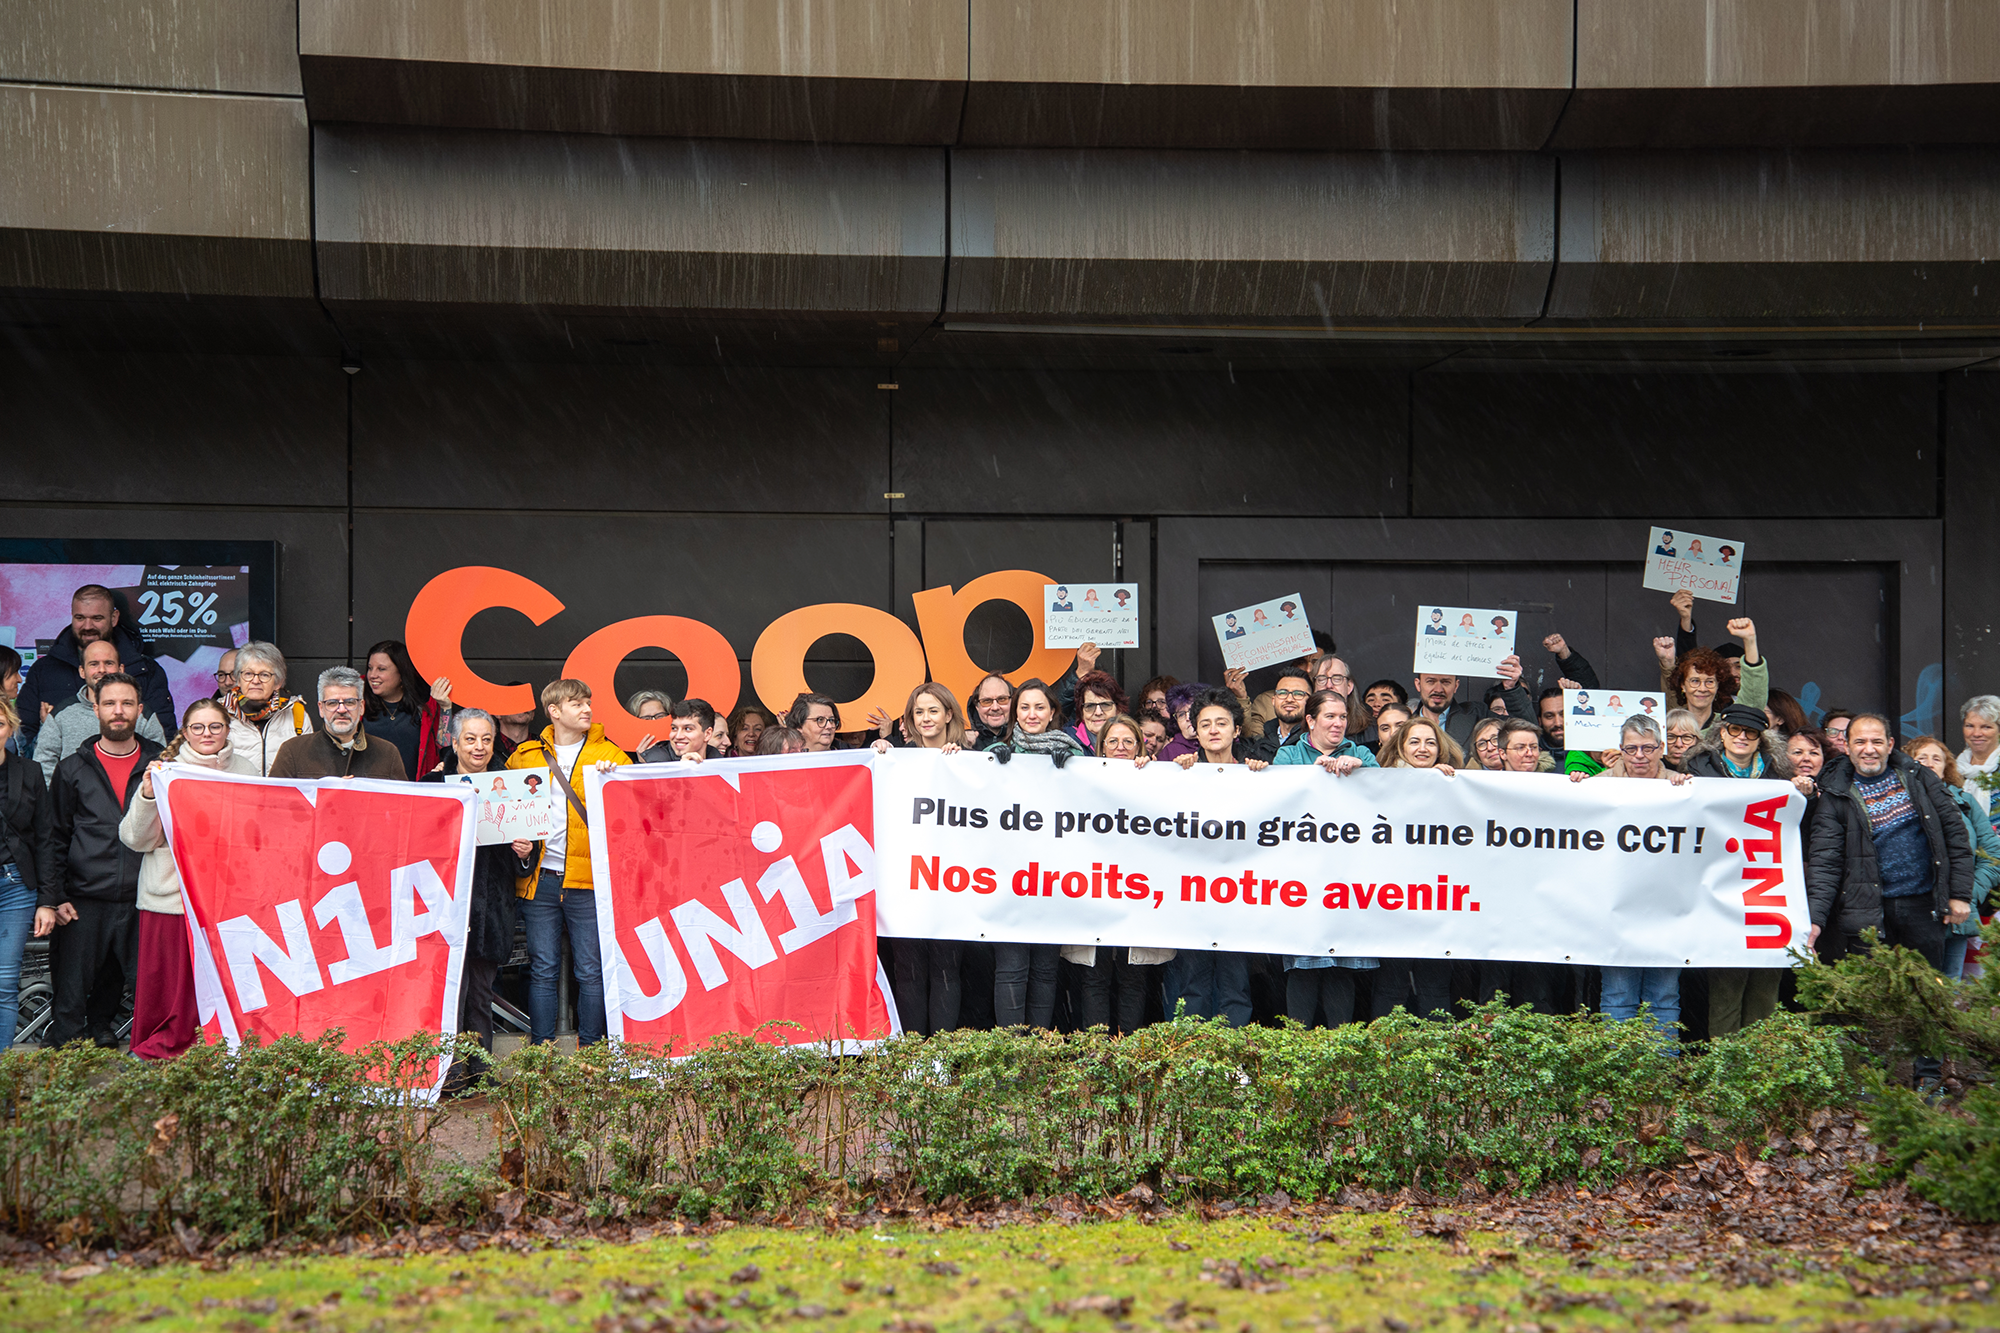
(321, 905)
(1764, 873)
(740, 896)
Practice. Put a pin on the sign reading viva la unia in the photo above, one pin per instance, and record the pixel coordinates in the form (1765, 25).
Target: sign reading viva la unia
(435, 630)
(1294, 860)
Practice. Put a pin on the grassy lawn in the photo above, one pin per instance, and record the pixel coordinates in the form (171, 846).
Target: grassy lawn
(1339, 1271)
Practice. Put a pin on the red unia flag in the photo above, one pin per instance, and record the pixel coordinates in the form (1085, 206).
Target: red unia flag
(339, 903)
(739, 892)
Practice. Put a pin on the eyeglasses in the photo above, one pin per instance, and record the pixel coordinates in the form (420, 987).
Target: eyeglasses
(248, 676)
(1103, 706)
(1291, 694)
(1740, 733)
(1640, 751)
(821, 721)
(206, 728)
(1685, 737)
(993, 701)
(340, 705)
(1487, 744)
(225, 675)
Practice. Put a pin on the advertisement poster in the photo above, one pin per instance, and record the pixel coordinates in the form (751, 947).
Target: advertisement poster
(1106, 614)
(1267, 634)
(1709, 567)
(186, 615)
(1594, 719)
(1462, 640)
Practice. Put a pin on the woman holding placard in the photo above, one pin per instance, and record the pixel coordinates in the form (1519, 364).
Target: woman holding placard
(164, 1009)
(1024, 975)
(489, 930)
(927, 975)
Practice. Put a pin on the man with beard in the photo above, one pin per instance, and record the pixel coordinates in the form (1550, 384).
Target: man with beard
(1289, 697)
(70, 729)
(52, 682)
(91, 905)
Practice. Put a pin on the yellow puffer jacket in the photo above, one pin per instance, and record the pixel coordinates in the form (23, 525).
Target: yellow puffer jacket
(541, 753)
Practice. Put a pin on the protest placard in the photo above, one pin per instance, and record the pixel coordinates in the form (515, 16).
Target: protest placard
(322, 905)
(1106, 614)
(515, 804)
(1267, 634)
(1594, 719)
(690, 951)
(1709, 567)
(1292, 860)
(1462, 640)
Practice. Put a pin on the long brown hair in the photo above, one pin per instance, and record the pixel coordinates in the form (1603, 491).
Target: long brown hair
(954, 716)
(173, 749)
(1448, 752)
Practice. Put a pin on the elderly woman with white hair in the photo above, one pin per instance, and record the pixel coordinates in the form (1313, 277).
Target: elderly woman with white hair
(1979, 723)
(262, 717)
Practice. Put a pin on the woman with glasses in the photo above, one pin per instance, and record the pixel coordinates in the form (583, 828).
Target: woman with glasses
(650, 707)
(1933, 754)
(1482, 747)
(1683, 734)
(1742, 745)
(1332, 673)
(262, 717)
(165, 1015)
(1102, 699)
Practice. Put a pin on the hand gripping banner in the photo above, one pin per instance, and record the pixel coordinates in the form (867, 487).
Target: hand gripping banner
(1293, 860)
(742, 891)
(324, 904)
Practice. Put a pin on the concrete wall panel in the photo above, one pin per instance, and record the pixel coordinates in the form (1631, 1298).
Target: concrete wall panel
(588, 221)
(1270, 237)
(216, 46)
(1679, 72)
(1791, 237)
(876, 71)
(1264, 74)
(153, 192)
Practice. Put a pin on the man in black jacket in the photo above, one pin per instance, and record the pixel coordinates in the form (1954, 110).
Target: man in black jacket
(91, 903)
(57, 674)
(1289, 695)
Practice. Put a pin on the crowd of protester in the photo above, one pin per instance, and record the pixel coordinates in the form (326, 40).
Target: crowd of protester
(1899, 833)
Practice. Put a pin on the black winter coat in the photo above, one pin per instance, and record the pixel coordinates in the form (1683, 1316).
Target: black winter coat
(28, 817)
(1841, 870)
(90, 859)
(57, 675)
(489, 930)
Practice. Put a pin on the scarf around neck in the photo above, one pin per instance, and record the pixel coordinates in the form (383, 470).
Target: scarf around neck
(256, 713)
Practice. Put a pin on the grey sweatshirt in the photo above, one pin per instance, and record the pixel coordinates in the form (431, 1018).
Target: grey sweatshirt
(74, 727)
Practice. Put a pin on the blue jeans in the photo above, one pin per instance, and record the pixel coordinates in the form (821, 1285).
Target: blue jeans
(1626, 988)
(545, 915)
(17, 922)
(1955, 949)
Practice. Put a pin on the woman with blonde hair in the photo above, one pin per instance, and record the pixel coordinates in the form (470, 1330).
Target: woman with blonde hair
(932, 720)
(927, 975)
(165, 1015)
(1421, 743)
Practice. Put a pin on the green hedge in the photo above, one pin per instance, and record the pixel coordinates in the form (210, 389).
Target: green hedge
(300, 1138)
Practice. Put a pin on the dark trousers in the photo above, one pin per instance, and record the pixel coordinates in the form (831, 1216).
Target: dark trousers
(94, 961)
(1320, 996)
(1532, 984)
(1118, 989)
(1214, 984)
(1911, 923)
(1430, 978)
(475, 999)
(925, 978)
(1024, 984)
(1740, 996)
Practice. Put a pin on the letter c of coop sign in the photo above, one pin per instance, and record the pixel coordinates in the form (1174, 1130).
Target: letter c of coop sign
(435, 632)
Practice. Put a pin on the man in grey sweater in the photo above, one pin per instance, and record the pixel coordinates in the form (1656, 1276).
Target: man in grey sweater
(70, 729)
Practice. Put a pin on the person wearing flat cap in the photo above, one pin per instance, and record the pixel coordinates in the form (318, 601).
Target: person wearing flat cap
(1743, 746)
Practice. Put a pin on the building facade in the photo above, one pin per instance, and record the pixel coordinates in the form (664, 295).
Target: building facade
(722, 309)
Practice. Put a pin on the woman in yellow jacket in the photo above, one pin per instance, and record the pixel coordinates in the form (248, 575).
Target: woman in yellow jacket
(559, 895)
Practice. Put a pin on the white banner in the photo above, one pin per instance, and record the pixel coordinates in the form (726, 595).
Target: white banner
(1401, 863)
